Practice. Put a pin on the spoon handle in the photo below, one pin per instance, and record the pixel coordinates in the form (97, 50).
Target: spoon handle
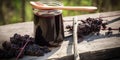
(78, 8)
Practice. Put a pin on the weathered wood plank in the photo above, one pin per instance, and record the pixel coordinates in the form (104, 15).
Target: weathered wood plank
(105, 54)
(90, 43)
(68, 20)
(6, 31)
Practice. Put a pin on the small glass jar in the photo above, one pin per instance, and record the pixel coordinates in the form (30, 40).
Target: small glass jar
(49, 12)
(48, 25)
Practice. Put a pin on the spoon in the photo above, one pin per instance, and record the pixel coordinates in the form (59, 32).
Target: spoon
(38, 5)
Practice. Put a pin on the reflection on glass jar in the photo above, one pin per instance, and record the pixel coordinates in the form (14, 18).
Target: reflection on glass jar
(49, 12)
(48, 25)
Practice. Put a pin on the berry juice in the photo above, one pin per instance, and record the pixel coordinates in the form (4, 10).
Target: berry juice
(48, 27)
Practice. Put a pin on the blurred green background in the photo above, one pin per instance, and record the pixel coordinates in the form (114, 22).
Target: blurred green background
(14, 11)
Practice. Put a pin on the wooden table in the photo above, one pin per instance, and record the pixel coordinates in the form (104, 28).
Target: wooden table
(90, 43)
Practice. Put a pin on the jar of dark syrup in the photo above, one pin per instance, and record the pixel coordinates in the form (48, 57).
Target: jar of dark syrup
(48, 25)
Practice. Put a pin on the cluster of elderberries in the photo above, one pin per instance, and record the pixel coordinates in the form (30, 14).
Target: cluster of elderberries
(88, 26)
(12, 49)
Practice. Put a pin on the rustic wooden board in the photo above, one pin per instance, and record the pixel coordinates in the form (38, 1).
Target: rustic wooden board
(68, 20)
(90, 43)
(105, 54)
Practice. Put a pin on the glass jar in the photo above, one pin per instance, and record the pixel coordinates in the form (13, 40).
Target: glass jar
(49, 12)
(48, 25)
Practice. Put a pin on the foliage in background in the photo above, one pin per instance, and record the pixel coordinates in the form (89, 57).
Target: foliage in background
(76, 3)
(11, 11)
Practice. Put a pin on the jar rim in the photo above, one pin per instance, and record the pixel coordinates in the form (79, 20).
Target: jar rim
(51, 2)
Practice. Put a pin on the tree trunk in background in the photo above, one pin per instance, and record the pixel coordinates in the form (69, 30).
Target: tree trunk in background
(9, 10)
(9, 5)
(2, 19)
(106, 5)
(78, 2)
(115, 4)
(23, 10)
(98, 4)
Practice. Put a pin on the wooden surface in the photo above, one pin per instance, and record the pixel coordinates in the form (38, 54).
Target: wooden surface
(67, 20)
(90, 43)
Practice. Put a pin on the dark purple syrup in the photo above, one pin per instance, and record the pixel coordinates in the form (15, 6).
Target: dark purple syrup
(48, 29)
